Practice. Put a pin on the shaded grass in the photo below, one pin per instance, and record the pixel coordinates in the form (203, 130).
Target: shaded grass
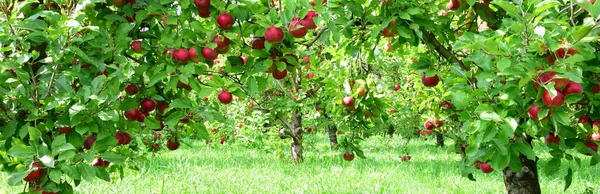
(235, 169)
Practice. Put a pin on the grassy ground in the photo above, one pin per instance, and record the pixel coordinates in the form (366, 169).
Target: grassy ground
(234, 169)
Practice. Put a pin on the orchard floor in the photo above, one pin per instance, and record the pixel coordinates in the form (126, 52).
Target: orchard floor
(236, 169)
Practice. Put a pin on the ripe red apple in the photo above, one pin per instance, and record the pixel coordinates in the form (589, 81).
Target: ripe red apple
(422, 132)
(296, 29)
(161, 107)
(362, 91)
(534, 111)
(596, 123)
(35, 175)
(136, 46)
(448, 105)
(348, 101)
(89, 142)
(595, 136)
(225, 97)
(430, 81)
(225, 21)
(131, 89)
(584, 119)
(65, 130)
(348, 156)
(209, 54)
(119, 3)
(595, 88)
(547, 77)
(222, 141)
(310, 75)
(194, 57)
(155, 146)
(181, 55)
(573, 88)
(274, 34)
(551, 138)
(132, 115)
(100, 162)
(173, 144)
(279, 74)
(438, 123)
(202, 4)
(428, 125)
(396, 87)
(222, 43)
(428, 131)
(148, 105)
(205, 13)
(258, 43)
(308, 20)
(592, 146)
(486, 168)
(555, 102)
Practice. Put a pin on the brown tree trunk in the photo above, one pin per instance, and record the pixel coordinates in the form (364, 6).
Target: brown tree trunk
(524, 182)
(439, 138)
(332, 130)
(297, 131)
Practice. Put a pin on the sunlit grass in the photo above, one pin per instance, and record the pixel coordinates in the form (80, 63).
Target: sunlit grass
(235, 169)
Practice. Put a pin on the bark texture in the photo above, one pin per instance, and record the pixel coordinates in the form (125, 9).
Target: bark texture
(439, 139)
(297, 131)
(332, 131)
(524, 182)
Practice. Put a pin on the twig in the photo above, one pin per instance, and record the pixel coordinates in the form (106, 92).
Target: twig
(316, 37)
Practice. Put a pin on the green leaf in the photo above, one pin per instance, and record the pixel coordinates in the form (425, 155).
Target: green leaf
(55, 175)
(201, 130)
(21, 151)
(87, 172)
(71, 171)
(47, 161)
(151, 123)
(525, 150)
(114, 157)
(17, 177)
(551, 166)
(102, 174)
(568, 179)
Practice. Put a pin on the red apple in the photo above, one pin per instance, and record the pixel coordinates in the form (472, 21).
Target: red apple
(148, 105)
(596, 123)
(279, 74)
(430, 81)
(348, 101)
(258, 43)
(35, 175)
(132, 115)
(534, 111)
(573, 88)
(555, 102)
(225, 97)
(225, 21)
(131, 89)
(348, 156)
(584, 119)
(362, 91)
(486, 168)
(194, 57)
(296, 29)
(428, 125)
(310, 75)
(209, 54)
(202, 4)
(595, 88)
(119, 3)
(274, 35)
(477, 164)
(406, 158)
(136, 46)
(595, 136)
(173, 144)
(65, 130)
(551, 138)
(396, 87)
(100, 162)
(222, 141)
(438, 123)
(89, 142)
(161, 107)
(592, 146)
(222, 43)
(181, 55)
(205, 13)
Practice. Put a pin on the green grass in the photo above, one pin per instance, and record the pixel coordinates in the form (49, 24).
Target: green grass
(235, 169)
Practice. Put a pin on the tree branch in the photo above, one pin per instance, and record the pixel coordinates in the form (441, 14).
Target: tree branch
(309, 44)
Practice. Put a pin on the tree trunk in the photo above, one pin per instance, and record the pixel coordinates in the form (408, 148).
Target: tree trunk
(391, 131)
(297, 131)
(524, 182)
(332, 130)
(439, 138)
